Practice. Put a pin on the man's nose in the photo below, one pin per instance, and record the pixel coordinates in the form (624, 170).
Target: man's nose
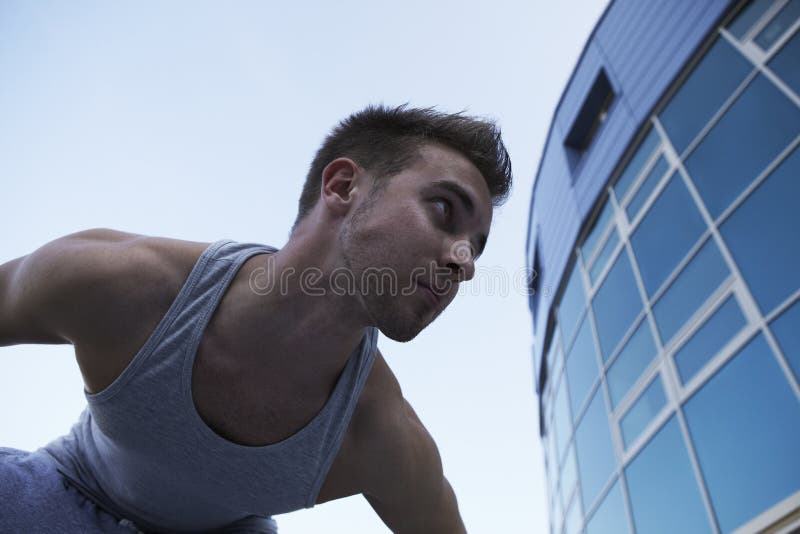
(461, 259)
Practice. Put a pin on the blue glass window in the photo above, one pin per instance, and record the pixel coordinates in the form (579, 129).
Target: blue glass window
(569, 475)
(717, 75)
(762, 235)
(571, 305)
(596, 461)
(604, 256)
(698, 280)
(562, 421)
(610, 517)
(648, 185)
(581, 367)
(744, 423)
(754, 130)
(666, 234)
(572, 523)
(616, 304)
(591, 241)
(643, 411)
(709, 339)
(779, 24)
(633, 359)
(786, 329)
(748, 16)
(636, 163)
(662, 468)
(786, 63)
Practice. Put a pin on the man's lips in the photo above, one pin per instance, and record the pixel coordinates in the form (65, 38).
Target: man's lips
(435, 297)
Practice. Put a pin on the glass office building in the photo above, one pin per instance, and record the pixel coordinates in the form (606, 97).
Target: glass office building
(664, 235)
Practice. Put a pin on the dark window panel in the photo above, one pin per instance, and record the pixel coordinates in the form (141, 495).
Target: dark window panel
(754, 130)
(648, 185)
(571, 306)
(709, 339)
(781, 22)
(698, 280)
(663, 491)
(633, 359)
(562, 421)
(616, 305)
(581, 367)
(786, 63)
(786, 328)
(610, 517)
(709, 85)
(600, 224)
(636, 163)
(762, 235)
(666, 234)
(643, 411)
(596, 460)
(604, 256)
(744, 424)
(747, 17)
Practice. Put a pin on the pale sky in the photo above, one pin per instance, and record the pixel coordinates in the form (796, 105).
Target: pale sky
(198, 120)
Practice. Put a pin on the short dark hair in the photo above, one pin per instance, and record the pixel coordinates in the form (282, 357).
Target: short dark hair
(385, 141)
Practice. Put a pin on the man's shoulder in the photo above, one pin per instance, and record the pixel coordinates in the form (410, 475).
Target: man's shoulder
(125, 284)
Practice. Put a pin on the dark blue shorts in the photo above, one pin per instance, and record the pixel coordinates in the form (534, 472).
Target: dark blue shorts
(36, 498)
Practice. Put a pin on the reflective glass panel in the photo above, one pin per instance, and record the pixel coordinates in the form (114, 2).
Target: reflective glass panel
(748, 16)
(662, 469)
(572, 523)
(616, 304)
(636, 163)
(648, 185)
(666, 234)
(744, 424)
(591, 241)
(717, 75)
(610, 517)
(726, 321)
(754, 130)
(552, 464)
(643, 411)
(698, 280)
(568, 475)
(562, 419)
(596, 461)
(786, 328)
(603, 257)
(786, 63)
(571, 305)
(779, 24)
(581, 367)
(633, 359)
(762, 235)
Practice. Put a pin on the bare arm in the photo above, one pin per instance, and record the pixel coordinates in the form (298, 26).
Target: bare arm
(407, 487)
(83, 288)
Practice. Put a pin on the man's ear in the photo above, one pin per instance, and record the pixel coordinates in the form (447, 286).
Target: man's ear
(341, 178)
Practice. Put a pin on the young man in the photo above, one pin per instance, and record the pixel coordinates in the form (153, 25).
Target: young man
(230, 382)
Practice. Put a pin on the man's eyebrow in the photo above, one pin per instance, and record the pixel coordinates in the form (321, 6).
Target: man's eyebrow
(466, 200)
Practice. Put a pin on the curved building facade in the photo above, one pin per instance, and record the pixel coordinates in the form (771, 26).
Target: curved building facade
(664, 236)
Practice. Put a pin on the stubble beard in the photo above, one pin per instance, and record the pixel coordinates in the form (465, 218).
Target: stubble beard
(383, 309)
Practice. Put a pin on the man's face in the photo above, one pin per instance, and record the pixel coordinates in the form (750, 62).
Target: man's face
(411, 244)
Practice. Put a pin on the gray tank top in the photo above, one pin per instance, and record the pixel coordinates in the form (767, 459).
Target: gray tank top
(141, 450)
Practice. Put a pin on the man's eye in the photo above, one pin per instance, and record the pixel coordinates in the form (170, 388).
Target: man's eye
(445, 208)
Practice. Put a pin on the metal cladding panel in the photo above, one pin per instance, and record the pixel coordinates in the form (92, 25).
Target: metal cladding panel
(642, 46)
